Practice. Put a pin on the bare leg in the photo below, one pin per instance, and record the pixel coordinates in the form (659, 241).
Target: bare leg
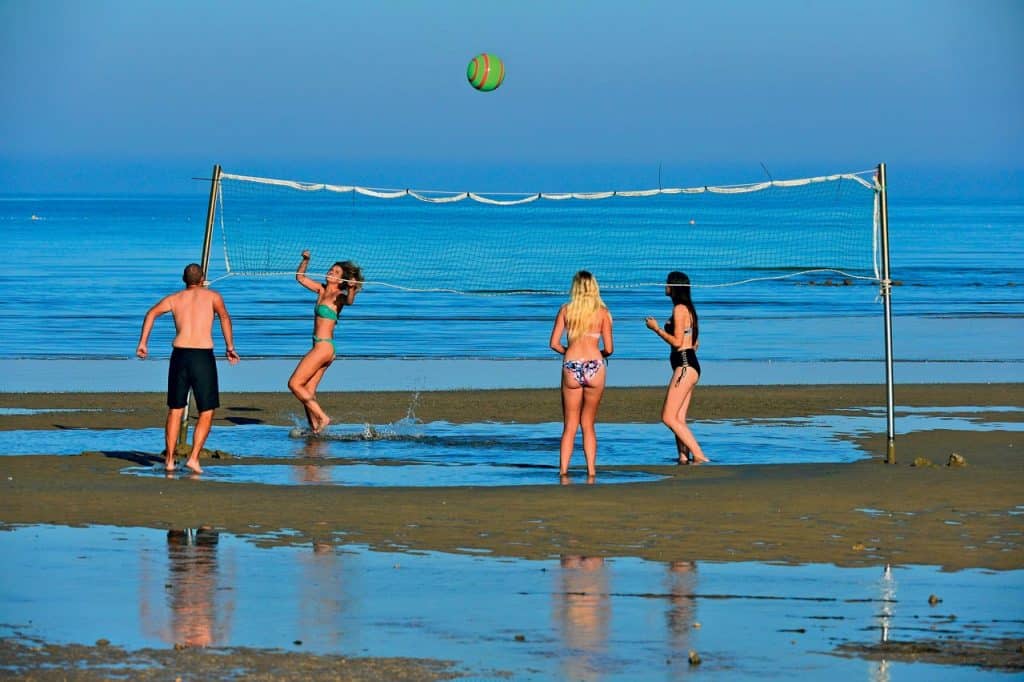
(682, 452)
(681, 449)
(592, 394)
(673, 414)
(572, 406)
(311, 386)
(202, 430)
(171, 430)
(315, 361)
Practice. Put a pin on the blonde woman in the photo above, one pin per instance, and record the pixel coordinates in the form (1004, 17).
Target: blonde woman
(343, 281)
(587, 326)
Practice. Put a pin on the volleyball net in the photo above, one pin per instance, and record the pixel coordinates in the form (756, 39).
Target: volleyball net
(506, 243)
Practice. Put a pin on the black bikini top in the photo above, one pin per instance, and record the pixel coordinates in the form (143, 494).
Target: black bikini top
(670, 328)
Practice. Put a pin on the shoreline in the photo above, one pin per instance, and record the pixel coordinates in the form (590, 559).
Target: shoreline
(520, 405)
(861, 513)
(446, 374)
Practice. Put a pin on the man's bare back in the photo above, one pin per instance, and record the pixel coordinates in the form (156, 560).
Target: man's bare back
(193, 310)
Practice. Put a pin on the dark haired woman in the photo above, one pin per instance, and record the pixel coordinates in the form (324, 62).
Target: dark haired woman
(680, 333)
(343, 282)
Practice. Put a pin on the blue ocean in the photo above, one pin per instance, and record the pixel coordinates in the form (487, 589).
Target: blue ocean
(80, 272)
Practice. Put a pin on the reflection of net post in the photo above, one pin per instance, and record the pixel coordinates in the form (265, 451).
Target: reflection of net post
(880, 672)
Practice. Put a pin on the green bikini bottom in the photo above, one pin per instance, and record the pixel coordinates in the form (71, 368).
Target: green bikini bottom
(317, 339)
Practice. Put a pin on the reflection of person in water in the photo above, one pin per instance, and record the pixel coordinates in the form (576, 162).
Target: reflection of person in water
(682, 584)
(582, 610)
(323, 603)
(192, 557)
(313, 471)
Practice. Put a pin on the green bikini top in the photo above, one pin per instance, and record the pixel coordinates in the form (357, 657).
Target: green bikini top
(324, 310)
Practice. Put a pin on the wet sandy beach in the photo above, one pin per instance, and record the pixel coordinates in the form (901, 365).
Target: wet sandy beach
(957, 517)
(860, 514)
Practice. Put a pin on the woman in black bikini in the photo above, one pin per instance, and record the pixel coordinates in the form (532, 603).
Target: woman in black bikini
(680, 333)
(586, 323)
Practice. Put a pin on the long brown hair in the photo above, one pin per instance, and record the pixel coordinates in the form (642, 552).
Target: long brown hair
(680, 284)
(350, 273)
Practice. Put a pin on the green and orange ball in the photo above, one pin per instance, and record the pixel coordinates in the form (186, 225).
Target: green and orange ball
(485, 72)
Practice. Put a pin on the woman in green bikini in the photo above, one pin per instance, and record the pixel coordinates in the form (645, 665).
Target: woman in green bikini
(344, 281)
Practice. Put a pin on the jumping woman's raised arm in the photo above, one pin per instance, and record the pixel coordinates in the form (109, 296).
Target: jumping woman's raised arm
(300, 274)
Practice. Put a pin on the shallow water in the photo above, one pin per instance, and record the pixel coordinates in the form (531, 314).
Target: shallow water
(444, 454)
(449, 374)
(407, 475)
(960, 263)
(569, 617)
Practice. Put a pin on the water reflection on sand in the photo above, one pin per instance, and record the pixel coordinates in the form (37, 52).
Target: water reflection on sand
(577, 616)
(193, 615)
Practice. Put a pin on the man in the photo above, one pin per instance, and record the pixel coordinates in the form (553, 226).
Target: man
(192, 363)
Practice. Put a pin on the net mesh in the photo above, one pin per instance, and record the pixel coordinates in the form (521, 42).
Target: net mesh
(507, 243)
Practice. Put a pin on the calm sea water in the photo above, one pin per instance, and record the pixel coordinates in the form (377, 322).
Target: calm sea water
(80, 272)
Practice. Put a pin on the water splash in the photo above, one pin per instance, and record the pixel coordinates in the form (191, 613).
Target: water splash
(408, 427)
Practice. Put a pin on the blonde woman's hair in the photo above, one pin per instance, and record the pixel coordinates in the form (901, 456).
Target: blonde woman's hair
(584, 303)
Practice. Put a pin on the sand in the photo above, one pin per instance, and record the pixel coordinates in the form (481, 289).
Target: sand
(864, 513)
(870, 512)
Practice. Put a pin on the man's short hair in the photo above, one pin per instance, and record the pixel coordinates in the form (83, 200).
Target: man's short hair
(193, 274)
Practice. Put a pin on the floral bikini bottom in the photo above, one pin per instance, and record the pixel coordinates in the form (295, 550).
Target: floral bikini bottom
(583, 370)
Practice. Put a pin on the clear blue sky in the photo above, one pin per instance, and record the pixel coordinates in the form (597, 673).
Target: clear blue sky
(142, 95)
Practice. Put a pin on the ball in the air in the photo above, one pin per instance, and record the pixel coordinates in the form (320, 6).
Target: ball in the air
(485, 72)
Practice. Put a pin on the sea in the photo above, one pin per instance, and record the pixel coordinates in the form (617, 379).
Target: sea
(79, 273)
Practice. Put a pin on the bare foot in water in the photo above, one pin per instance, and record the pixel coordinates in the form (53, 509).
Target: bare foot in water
(322, 424)
(700, 460)
(193, 465)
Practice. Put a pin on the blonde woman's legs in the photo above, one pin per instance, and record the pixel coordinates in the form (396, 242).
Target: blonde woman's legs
(572, 406)
(592, 394)
(673, 414)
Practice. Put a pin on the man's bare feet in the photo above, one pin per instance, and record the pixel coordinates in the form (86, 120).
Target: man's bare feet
(193, 465)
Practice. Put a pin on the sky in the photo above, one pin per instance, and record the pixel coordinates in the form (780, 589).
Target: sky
(112, 96)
